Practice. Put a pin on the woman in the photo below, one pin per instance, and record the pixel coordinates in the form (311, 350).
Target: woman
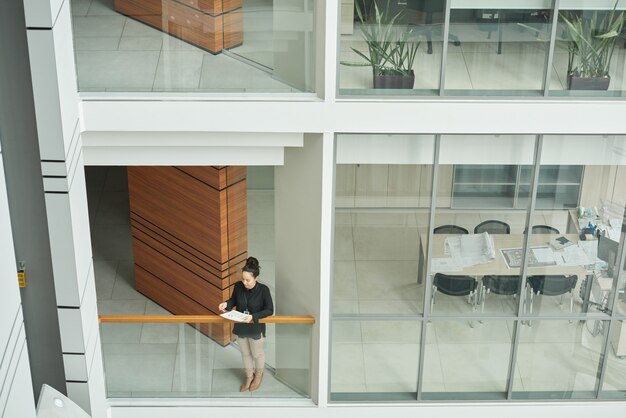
(253, 299)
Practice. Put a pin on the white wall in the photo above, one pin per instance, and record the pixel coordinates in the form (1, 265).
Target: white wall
(16, 391)
(298, 211)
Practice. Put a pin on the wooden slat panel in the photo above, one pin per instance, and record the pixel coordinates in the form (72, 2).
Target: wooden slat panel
(237, 219)
(178, 244)
(147, 11)
(235, 174)
(217, 281)
(157, 242)
(233, 28)
(229, 5)
(179, 304)
(208, 175)
(179, 205)
(201, 319)
(186, 282)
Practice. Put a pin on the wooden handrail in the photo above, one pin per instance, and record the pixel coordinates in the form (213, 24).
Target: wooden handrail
(200, 319)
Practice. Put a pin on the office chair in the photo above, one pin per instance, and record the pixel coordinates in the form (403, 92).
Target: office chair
(454, 286)
(429, 7)
(499, 285)
(492, 227)
(544, 229)
(450, 229)
(551, 285)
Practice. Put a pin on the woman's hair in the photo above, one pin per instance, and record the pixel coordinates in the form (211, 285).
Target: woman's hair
(252, 266)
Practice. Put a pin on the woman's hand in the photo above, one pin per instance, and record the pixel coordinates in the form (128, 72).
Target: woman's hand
(248, 319)
(222, 307)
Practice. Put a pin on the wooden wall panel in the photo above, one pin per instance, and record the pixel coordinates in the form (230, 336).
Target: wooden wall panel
(200, 22)
(177, 303)
(188, 235)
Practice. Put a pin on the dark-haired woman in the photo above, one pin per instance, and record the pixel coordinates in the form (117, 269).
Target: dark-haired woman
(253, 299)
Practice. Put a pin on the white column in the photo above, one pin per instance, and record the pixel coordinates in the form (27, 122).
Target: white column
(53, 71)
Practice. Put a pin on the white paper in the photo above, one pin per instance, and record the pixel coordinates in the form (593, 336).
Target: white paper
(234, 316)
(444, 265)
(469, 250)
(543, 255)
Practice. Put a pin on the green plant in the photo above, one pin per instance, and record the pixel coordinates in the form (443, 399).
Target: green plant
(391, 50)
(592, 41)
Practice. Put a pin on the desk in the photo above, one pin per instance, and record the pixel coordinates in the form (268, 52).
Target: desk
(499, 266)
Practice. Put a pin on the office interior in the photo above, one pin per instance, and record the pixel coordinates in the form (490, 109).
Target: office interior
(401, 313)
(493, 48)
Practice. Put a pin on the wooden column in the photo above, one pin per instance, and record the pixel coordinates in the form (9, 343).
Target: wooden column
(209, 24)
(190, 241)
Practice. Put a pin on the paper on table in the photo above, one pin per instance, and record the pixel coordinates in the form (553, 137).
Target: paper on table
(576, 256)
(469, 250)
(234, 316)
(443, 265)
(543, 254)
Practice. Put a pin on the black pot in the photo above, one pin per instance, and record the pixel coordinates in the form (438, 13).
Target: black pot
(588, 83)
(394, 81)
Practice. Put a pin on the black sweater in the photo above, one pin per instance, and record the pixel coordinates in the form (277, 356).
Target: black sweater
(258, 302)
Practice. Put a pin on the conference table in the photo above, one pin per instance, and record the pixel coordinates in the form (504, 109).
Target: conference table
(499, 266)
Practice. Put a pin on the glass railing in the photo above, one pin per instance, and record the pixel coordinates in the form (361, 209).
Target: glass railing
(248, 46)
(467, 47)
(189, 356)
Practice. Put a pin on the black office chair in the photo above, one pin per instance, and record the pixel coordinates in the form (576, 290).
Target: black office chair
(450, 229)
(429, 7)
(454, 286)
(552, 285)
(499, 285)
(492, 227)
(544, 229)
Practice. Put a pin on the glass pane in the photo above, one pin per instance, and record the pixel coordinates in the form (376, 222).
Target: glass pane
(467, 360)
(500, 49)
(557, 360)
(184, 362)
(374, 360)
(398, 52)
(589, 57)
(575, 242)
(383, 189)
(614, 385)
(476, 218)
(194, 46)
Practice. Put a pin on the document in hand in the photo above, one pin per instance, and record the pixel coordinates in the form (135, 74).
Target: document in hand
(234, 316)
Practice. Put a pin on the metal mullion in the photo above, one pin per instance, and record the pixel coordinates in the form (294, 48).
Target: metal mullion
(524, 268)
(550, 58)
(427, 257)
(618, 274)
(444, 48)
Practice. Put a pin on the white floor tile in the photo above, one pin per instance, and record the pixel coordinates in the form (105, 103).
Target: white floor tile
(178, 70)
(98, 26)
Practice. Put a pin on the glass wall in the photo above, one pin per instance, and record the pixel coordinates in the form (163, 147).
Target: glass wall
(464, 47)
(498, 275)
(191, 46)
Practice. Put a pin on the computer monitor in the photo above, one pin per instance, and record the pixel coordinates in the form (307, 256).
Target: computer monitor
(607, 251)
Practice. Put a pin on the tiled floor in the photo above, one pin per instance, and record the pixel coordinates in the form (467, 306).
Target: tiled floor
(165, 360)
(118, 54)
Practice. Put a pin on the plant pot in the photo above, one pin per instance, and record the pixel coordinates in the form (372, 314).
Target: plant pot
(588, 83)
(394, 81)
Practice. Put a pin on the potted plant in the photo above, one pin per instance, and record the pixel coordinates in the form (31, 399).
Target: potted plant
(391, 49)
(590, 48)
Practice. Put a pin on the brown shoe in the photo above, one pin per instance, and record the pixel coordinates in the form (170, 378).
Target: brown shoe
(246, 381)
(256, 382)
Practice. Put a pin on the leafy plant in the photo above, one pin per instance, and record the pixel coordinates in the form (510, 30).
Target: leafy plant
(391, 50)
(592, 41)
